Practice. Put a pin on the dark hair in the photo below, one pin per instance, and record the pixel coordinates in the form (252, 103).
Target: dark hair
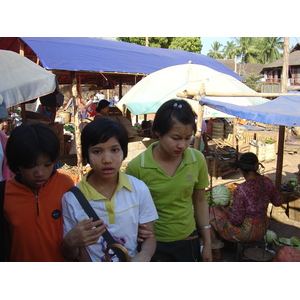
(174, 109)
(248, 162)
(27, 142)
(100, 131)
(102, 104)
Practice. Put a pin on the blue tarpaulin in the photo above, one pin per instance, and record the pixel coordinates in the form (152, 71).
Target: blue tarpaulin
(100, 55)
(284, 110)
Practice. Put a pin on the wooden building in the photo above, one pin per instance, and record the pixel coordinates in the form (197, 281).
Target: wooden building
(273, 72)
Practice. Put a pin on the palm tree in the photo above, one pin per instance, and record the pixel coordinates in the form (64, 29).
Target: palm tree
(270, 49)
(247, 49)
(215, 51)
(229, 50)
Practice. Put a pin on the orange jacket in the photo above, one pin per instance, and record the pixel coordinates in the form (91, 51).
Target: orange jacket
(35, 222)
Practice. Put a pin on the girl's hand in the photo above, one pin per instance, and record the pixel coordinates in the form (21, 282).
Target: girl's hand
(207, 254)
(84, 233)
(144, 233)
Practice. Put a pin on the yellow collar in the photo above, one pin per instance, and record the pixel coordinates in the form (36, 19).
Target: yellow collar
(91, 194)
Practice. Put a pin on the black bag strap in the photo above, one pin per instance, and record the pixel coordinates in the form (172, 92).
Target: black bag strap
(91, 213)
(2, 229)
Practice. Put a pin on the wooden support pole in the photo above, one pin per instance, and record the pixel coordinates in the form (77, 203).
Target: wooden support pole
(77, 123)
(120, 88)
(282, 128)
(234, 132)
(198, 133)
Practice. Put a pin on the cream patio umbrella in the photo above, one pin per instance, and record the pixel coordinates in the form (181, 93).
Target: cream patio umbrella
(22, 80)
(152, 91)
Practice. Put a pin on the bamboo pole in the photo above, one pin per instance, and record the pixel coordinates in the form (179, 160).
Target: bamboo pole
(189, 93)
(198, 134)
(22, 47)
(234, 133)
(282, 128)
(77, 123)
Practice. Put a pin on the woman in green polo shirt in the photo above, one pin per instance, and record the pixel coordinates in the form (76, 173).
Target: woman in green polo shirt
(177, 177)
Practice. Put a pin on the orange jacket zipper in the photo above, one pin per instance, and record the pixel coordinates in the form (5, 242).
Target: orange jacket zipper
(37, 205)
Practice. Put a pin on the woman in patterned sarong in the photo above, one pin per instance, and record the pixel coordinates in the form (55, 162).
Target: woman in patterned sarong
(247, 220)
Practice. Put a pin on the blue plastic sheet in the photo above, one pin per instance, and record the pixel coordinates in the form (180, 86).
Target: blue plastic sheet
(100, 55)
(284, 110)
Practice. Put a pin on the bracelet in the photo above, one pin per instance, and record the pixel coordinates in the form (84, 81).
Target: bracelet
(205, 227)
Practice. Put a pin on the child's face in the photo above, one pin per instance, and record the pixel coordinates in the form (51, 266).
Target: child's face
(38, 174)
(177, 140)
(3, 126)
(106, 158)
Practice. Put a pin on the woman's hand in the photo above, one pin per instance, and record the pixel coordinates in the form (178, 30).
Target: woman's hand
(224, 209)
(144, 233)
(207, 254)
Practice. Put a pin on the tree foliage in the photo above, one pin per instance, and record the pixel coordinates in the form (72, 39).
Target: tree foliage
(215, 52)
(253, 81)
(229, 50)
(191, 44)
(158, 42)
(247, 49)
(262, 50)
(271, 47)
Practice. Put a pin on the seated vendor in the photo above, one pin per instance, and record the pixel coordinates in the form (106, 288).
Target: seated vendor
(47, 111)
(247, 220)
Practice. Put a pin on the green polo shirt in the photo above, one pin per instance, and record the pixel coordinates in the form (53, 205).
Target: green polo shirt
(172, 195)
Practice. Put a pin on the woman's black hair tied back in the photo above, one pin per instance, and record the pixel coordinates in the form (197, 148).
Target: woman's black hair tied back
(248, 162)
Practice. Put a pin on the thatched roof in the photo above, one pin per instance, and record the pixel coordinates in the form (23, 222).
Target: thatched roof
(296, 47)
(242, 69)
(294, 60)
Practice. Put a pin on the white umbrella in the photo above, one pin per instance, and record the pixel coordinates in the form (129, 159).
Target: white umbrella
(22, 80)
(152, 91)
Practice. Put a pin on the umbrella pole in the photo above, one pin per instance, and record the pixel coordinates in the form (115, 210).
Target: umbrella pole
(23, 108)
